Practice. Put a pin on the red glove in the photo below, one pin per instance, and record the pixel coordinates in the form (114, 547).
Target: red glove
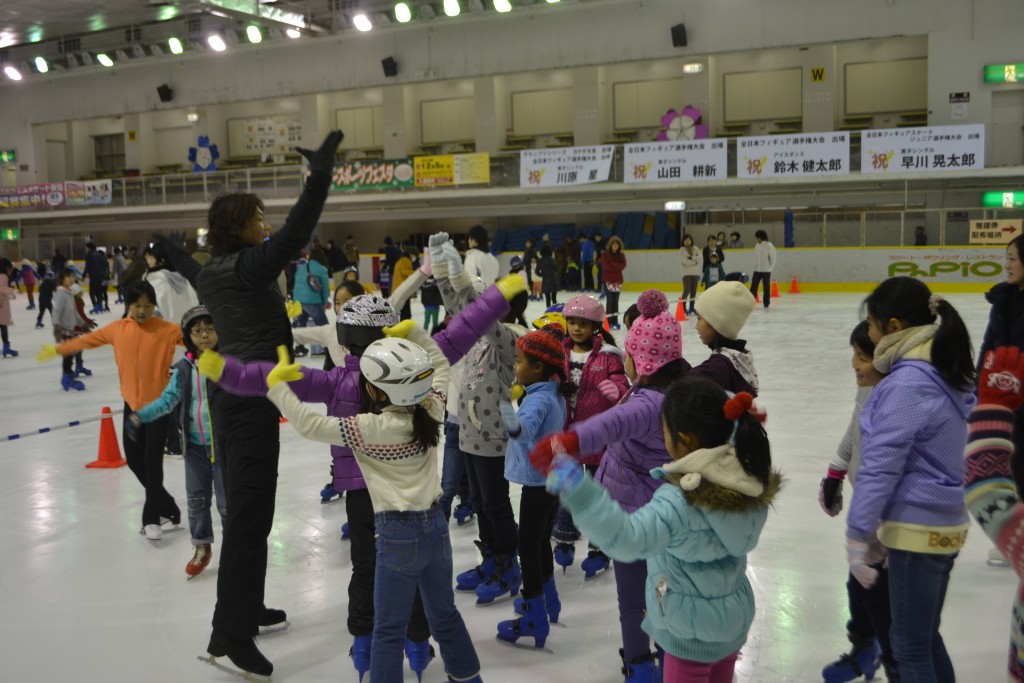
(545, 450)
(1000, 381)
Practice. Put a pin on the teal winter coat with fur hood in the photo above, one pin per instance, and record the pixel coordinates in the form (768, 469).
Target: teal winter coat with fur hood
(695, 535)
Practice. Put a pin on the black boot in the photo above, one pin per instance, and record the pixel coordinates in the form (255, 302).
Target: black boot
(242, 652)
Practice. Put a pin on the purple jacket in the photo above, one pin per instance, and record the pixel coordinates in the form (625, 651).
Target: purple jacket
(633, 443)
(603, 363)
(339, 387)
(720, 370)
(913, 431)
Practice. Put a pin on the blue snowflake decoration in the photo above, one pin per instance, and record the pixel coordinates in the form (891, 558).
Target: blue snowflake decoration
(204, 156)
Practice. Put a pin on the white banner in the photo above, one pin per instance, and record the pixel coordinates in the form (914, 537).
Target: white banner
(793, 156)
(87, 192)
(667, 161)
(565, 166)
(939, 148)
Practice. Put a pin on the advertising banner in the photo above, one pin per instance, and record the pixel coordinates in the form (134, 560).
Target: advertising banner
(87, 192)
(994, 231)
(473, 169)
(939, 148)
(793, 156)
(564, 166)
(668, 161)
(373, 175)
(452, 169)
(46, 195)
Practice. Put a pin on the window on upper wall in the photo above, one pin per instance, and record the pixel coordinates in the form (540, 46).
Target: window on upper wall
(109, 152)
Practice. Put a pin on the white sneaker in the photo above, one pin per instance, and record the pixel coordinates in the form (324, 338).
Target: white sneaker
(154, 532)
(996, 559)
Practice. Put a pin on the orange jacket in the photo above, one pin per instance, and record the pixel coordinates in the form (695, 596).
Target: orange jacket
(144, 354)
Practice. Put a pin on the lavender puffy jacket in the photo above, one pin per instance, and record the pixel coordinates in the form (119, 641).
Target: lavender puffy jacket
(631, 437)
(339, 387)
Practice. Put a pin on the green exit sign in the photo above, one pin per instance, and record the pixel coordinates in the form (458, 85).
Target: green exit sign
(10, 233)
(1004, 73)
(7, 155)
(1002, 200)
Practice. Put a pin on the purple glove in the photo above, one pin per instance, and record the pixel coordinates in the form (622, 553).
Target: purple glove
(609, 390)
(860, 556)
(565, 475)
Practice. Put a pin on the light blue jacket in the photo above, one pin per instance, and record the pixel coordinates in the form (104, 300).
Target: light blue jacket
(541, 412)
(197, 419)
(699, 602)
(302, 291)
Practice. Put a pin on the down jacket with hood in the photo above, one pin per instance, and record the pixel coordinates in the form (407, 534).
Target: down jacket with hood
(605, 362)
(700, 604)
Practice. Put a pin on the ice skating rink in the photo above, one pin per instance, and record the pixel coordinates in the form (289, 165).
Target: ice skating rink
(83, 597)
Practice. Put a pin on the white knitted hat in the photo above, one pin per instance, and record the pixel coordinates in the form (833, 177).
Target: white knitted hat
(726, 307)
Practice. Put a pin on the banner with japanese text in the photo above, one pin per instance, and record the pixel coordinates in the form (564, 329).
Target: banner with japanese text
(43, 196)
(452, 169)
(938, 148)
(373, 175)
(564, 166)
(87, 192)
(793, 156)
(667, 161)
(995, 231)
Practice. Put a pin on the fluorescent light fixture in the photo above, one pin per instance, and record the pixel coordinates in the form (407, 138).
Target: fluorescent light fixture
(216, 42)
(675, 206)
(502, 6)
(41, 65)
(451, 8)
(693, 68)
(253, 34)
(293, 33)
(104, 59)
(175, 45)
(551, 2)
(12, 73)
(192, 117)
(402, 13)
(362, 22)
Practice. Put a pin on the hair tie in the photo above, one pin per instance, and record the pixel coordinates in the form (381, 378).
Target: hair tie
(933, 304)
(734, 409)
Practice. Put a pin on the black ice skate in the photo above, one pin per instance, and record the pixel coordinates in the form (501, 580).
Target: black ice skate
(249, 663)
(273, 621)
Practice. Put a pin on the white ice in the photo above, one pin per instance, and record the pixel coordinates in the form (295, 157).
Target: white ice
(84, 597)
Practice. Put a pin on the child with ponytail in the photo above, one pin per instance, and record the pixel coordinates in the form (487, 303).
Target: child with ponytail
(595, 365)
(633, 443)
(695, 533)
(540, 369)
(908, 503)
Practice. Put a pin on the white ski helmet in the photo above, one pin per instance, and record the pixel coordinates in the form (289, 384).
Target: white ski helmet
(361, 319)
(399, 368)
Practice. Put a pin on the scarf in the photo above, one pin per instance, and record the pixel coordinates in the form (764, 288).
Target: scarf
(911, 343)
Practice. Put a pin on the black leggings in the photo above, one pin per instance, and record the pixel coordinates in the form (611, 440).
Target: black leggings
(549, 298)
(690, 287)
(145, 456)
(766, 279)
(3, 334)
(612, 309)
(489, 490)
(870, 615)
(536, 519)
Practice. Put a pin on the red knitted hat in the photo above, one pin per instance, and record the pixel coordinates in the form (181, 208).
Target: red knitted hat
(543, 345)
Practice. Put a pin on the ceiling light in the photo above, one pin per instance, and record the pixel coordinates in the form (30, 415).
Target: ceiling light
(216, 42)
(551, 2)
(293, 33)
(12, 73)
(694, 68)
(361, 22)
(502, 6)
(451, 8)
(402, 13)
(175, 45)
(192, 117)
(41, 65)
(253, 34)
(104, 59)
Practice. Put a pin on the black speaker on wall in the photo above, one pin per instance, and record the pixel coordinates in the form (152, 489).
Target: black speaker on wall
(679, 35)
(390, 66)
(165, 93)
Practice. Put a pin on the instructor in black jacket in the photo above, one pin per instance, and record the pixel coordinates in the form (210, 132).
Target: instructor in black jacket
(239, 287)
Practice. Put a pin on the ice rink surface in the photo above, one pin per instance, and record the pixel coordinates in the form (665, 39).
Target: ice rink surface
(84, 597)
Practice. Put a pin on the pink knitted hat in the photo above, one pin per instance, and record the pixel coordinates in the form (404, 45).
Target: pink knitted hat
(655, 337)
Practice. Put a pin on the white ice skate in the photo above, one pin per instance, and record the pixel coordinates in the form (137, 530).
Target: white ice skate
(153, 532)
(996, 559)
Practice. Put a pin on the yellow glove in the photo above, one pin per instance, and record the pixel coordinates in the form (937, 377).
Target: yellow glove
(517, 391)
(211, 365)
(400, 330)
(293, 309)
(510, 286)
(284, 371)
(47, 353)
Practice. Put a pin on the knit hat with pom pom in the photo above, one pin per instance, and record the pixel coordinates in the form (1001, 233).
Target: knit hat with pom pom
(655, 338)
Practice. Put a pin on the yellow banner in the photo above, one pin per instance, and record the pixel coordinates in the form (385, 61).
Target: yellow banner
(472, 169)
(435, 171)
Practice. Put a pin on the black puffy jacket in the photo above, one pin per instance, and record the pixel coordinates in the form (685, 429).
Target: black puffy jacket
(1005, 319)
(239, 286)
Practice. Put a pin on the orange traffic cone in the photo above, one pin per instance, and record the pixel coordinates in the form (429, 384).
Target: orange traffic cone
(607, 328)
(794, 288)
(681, 311)
(775, 288)
(109, 454)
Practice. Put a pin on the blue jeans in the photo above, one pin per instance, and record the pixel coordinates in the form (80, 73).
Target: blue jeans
(202, 478)
(314, 312)
(917, 591)
(453, 469)
(414, 549)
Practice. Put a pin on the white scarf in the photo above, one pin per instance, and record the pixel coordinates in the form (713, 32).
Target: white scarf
(913, 342)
